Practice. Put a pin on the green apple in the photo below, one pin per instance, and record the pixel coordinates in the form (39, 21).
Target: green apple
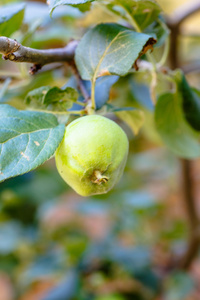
(92, 155)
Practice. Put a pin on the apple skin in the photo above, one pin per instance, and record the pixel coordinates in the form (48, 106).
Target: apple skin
(92, 155)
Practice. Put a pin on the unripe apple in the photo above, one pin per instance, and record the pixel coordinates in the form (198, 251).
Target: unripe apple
(92, 155)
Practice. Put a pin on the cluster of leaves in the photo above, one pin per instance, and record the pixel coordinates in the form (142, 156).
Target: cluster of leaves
(105, 53)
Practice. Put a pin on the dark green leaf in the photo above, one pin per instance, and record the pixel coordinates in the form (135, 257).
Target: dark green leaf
(109, 49)
(173, 128)
(27, 139)
(191, 101)
(11, 17)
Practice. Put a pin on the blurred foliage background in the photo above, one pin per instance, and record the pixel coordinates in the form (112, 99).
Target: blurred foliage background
(56, 245)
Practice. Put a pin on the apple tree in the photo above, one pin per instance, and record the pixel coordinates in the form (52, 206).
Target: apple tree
(121, 59)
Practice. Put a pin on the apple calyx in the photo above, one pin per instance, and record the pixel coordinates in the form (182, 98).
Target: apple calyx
(99, 178)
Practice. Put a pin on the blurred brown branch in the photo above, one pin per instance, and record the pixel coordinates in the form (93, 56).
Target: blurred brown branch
(187, 186)
(189, 199)
(182, 13)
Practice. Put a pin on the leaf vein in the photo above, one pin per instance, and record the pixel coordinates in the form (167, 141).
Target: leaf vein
(25, 133)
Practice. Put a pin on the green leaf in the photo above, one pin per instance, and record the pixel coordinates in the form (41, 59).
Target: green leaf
(63, 98)
(81, 4)
(173, 128)
(27, 139)
(110, 49)
(134, 119)
(53, 99)
(142, 12)
(11, 17)
(145, 12)
(191, 101)
(36, 97)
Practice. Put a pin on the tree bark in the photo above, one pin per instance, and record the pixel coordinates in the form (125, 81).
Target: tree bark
(14, 51)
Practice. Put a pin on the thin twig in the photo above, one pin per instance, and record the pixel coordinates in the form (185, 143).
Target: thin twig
(80, 83)
(173, 51)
